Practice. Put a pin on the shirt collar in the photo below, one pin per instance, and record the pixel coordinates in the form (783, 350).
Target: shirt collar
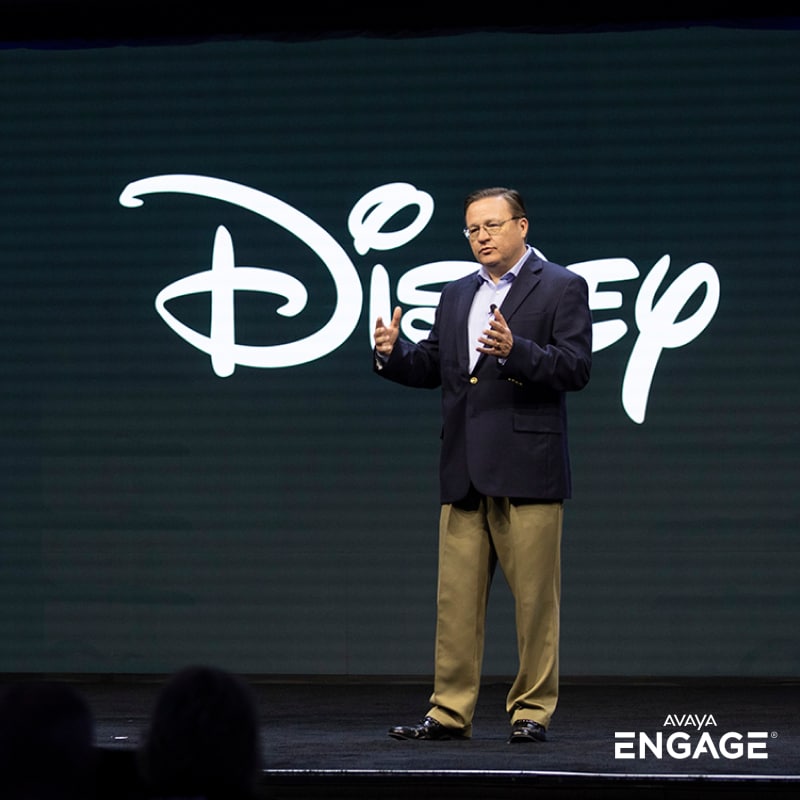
(511, 274)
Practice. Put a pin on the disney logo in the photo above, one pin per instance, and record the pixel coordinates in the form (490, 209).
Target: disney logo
(659, 321)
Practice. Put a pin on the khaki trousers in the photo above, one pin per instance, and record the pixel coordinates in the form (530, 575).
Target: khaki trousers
(525, 538)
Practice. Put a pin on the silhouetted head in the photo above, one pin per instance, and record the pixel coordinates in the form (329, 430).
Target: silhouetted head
(46, 742)
(203, 738)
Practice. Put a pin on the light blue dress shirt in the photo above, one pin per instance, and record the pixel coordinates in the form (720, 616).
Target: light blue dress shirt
(489, 293)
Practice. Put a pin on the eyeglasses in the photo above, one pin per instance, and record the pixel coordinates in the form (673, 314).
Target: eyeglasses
(491, 228)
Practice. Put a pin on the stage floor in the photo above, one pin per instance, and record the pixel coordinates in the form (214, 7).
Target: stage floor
(329, 738)
(334, 732)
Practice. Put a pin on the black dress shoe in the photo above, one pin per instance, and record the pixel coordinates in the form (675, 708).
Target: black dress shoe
(526, 730)
(429, 728)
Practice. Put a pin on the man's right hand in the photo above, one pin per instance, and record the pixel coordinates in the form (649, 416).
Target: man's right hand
(386, 335)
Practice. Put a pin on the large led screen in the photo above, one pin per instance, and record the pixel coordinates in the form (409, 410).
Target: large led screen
(198, 463)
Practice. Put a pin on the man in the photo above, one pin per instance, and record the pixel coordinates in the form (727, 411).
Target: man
(507, 343)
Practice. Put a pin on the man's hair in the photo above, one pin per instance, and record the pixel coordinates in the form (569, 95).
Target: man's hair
(512, 196)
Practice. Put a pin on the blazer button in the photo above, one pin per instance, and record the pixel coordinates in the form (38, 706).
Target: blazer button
(473, 380)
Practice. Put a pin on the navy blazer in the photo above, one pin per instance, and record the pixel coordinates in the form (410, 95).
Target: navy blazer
(504, 426)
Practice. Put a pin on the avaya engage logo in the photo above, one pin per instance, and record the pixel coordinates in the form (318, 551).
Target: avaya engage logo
(660, 313)
(689, 736)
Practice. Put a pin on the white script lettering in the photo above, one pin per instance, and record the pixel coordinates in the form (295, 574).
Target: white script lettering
(658, 323)
(224, 277)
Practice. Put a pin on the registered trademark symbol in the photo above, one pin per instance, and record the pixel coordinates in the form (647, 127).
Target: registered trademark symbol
(773, 735)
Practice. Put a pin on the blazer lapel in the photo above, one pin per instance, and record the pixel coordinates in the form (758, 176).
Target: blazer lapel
(525, 282)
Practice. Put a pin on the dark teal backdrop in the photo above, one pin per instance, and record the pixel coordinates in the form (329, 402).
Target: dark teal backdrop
(282, 519)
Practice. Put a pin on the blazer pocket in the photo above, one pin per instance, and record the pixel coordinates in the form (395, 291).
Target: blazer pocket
(537, 423)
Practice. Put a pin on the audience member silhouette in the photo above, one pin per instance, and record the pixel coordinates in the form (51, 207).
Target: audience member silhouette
(46, 743)
(203, 739)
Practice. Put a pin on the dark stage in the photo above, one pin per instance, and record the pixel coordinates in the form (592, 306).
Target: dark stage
(328, 739)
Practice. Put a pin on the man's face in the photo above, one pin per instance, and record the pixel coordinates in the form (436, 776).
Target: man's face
(498, 251)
